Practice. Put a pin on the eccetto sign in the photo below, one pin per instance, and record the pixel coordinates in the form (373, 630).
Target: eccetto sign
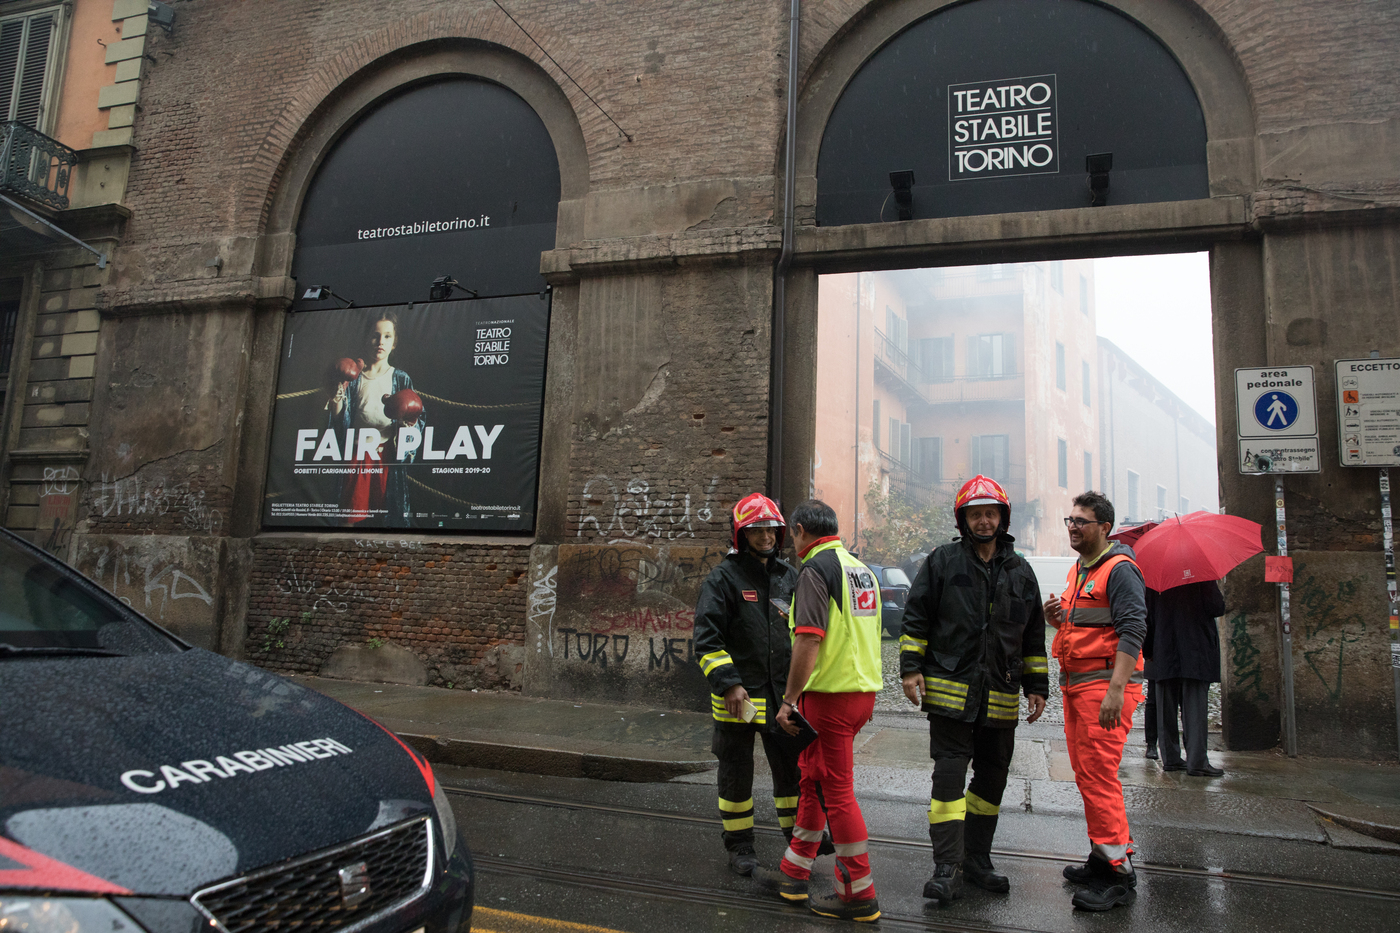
(1368, 412)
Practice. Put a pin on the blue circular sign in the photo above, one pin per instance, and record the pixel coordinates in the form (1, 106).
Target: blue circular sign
(1276, 410)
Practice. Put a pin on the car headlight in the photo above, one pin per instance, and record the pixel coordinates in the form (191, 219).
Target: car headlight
(23, 914)
(446, 820)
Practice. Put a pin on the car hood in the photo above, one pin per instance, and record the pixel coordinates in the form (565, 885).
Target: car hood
(160, 774)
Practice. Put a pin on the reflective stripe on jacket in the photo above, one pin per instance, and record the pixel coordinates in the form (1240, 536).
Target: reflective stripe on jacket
(976, 631)
(1087, 642)
(849, 658)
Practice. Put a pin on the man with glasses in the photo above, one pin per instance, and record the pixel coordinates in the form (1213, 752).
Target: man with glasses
(1100, 623)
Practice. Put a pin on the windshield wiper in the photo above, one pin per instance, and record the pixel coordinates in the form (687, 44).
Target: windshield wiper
(8, 650)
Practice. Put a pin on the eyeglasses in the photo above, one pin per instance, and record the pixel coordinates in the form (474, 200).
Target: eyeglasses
(1081, 522)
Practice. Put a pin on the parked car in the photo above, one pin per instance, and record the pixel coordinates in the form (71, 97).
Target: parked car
(147, 784)
(894, 589)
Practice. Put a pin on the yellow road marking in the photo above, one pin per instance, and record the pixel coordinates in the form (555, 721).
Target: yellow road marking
(487, 920)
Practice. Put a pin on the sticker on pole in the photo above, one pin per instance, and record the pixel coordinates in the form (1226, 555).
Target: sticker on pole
(1368, 412)
(1276, 402)
(1292, 455)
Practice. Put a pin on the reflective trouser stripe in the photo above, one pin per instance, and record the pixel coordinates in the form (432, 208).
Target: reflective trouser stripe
(736, 814)
(784, 802)
(787, 811)
(858, 885)
(852, 849)
(940, 811)
(807, 835)
(1115, 855)
(803, 863)
(976, 805)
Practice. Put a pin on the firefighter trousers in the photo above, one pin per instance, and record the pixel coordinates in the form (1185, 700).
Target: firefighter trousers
(963, 821)
(733, 746)
(1095, 754)
(828, 780)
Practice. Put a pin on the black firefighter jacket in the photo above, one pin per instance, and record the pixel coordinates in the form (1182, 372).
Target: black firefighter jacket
(977, 634)
(741, 637)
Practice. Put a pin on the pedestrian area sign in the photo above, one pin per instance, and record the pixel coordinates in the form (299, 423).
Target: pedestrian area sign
(1276, 418)
(1368, 412)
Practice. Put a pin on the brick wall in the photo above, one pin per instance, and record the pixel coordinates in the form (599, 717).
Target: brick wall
(450, 604)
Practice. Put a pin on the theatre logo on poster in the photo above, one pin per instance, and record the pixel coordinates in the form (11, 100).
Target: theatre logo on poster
(1003, 128)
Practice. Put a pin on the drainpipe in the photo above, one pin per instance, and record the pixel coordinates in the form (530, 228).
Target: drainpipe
(775, 419)
(855, 516)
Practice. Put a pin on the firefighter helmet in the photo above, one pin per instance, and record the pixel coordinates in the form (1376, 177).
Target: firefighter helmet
(757, 511)
(982, 490)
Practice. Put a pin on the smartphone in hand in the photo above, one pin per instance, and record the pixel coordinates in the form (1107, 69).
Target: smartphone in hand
(747, 711)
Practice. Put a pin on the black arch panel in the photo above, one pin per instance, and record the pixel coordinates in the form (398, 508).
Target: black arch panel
(1115, 88)
(458, 177)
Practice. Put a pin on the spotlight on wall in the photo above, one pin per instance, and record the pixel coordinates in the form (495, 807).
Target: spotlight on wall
(161, 14)
(322, 292)
(903, 185)
(442, 287)
(1098, 165)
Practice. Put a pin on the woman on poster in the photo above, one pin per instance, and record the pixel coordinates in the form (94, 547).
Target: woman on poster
(379, 397)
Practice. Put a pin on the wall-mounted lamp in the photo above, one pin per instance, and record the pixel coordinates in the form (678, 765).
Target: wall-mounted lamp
(1098, 165)
(903, 185)
(161, 14)
(442, 287)
(322, 292)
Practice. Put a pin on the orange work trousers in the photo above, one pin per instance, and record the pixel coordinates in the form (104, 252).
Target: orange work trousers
(1095, 754)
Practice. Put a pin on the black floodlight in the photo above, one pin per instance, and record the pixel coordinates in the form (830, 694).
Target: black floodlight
(1098, 165)
(442, 287)
(903, 185)
(161, 14)
(322, 292)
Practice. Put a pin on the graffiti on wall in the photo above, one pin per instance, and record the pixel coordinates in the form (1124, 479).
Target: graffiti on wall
(56, 494)
(1246, 662)
(1330, 622)
(145, 580)
(544, 597)
(617, 511)
(321, 590)
(153, 496)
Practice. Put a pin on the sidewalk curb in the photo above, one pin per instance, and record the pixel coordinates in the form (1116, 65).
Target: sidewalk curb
(1375, 830)
(552, 762)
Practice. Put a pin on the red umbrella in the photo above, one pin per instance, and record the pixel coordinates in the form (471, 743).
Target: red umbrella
(1130, 534)
(1195, 547)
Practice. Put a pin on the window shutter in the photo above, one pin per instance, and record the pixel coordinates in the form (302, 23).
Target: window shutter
(24, 65)
(1008, 354)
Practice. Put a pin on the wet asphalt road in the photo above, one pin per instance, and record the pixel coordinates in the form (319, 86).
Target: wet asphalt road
(647, 857)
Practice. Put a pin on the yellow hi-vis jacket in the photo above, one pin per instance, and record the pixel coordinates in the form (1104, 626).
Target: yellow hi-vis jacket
(849, 658)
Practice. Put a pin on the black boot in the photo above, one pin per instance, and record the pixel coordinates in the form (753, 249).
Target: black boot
(946, 883)
(1106, 892)
(1095, 868)
(743, 860)
(775, 881)
(978, 869)
(829, 905)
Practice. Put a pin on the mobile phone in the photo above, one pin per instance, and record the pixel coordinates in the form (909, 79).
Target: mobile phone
(782, 605)
(747, 711)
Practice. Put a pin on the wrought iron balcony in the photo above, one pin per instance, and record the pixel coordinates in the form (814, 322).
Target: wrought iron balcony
(34, 166)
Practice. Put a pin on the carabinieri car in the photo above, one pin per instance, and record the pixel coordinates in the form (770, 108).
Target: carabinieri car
(149, 785)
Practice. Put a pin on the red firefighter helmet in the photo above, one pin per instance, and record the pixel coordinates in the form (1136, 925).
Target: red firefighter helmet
(982, 490)
(757, 511)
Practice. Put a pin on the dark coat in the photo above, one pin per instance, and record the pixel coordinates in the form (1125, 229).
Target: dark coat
(1182, 640)
(976, 625)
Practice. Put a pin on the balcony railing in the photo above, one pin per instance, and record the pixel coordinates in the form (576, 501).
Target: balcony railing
(34, 166)
(977, 389)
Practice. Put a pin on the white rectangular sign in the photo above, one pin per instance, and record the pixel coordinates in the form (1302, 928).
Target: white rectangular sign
(1287, 455)
(1368, 412)
(1276, 402)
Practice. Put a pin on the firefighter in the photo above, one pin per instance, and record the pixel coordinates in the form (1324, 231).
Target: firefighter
(742, 642)
(972, 636)
(1100, 623)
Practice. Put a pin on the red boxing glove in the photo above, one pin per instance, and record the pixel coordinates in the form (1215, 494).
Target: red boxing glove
(346, 370)
(404, 405)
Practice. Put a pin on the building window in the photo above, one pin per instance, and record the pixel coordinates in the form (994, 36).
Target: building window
(1057, 277)
(895, 445)
(989, 456)
(1062, 462)
(936, 359)
(1161, 502)
(1059, 365)
(9, 319)
(1085, 372)
(875, 427)
(1088, 471)
(996, 272)
(1132, 511)
(928, 459)
(989, 356)
(1084, 295)
(1183, 505)
(26, 66)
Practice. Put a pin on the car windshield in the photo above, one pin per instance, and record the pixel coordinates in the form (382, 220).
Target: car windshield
(46, 608)
(896, 577)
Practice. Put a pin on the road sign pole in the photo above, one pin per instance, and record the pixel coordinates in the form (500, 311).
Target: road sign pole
(1290, 724)
(1388, 536)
